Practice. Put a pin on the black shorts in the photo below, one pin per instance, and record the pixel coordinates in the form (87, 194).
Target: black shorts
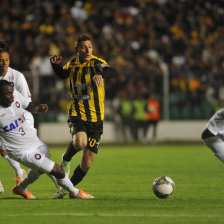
(94, 131)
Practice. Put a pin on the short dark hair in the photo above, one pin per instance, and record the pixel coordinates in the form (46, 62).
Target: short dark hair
(81, 38)
(4, 82)
(4, 47)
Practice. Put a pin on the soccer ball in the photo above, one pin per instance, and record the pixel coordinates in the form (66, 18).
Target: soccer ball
(163, 187)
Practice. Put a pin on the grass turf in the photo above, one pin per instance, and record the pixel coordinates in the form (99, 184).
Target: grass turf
(121, 180)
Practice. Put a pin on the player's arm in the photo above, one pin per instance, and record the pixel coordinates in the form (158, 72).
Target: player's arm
(21, 85)
(37, 108)
(105, 70)
(56, 61)
(30, 106)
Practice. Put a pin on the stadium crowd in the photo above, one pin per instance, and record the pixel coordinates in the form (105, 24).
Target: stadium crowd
(142, 39)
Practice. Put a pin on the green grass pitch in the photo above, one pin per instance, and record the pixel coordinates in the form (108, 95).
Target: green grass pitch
(121, 180)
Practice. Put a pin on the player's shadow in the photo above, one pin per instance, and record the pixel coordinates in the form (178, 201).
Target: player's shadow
(8, 198)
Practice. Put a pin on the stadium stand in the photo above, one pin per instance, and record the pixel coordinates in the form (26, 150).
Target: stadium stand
(136, 37)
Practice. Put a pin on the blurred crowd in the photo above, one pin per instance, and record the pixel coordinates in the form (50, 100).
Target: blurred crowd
(144, 40)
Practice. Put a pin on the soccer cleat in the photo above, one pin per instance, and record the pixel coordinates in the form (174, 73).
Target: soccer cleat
(1, 189)
(19, 179)
(60, 194)
(26, 195)
(66, 166)
(83, 195)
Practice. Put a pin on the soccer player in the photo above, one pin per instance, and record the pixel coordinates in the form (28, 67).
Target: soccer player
(20, 85)
(213, 134)
(86, 74)
(22, 144)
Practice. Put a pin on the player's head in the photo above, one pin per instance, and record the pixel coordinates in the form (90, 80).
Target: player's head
(84, 48)
(6, 93)
(4, 57)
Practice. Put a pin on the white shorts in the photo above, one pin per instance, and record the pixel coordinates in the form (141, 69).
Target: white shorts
(35, 158)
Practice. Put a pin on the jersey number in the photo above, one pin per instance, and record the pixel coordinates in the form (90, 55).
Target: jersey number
(22, 131)
(92, 142)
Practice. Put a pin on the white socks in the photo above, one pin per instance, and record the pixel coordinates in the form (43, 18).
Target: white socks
(54, 180)
(34, 175)
(15, 165)
(29, 179)
(67, 185)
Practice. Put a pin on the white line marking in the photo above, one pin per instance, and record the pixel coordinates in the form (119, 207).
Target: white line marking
(117, 215)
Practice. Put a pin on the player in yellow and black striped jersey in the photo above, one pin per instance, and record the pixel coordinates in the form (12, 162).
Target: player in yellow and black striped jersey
(88, 99)
(86, 74)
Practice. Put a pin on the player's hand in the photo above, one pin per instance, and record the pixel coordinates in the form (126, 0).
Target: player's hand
(98, 80)
(56, 59)
(42, 108)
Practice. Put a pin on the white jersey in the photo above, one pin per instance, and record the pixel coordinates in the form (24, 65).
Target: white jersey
(15, 133)
(20, 83)
(216, 124)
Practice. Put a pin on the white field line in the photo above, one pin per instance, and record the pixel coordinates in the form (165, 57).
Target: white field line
(116, 215)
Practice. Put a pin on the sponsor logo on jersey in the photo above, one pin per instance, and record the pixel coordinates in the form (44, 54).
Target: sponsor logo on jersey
(84, 86)
(17, 123)
(81, 97)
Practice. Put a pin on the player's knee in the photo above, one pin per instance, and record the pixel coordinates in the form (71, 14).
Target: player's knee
(3, 153)
(58, 172)
(80, 144)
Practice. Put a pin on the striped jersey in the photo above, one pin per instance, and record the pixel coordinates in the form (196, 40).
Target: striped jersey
(87, 98)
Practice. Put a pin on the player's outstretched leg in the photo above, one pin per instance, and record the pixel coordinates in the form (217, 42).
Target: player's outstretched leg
(19, 177)
(55, 181)
(65, 164)
(60, 194)
(66, 158)
(20, 173)
(22, 188)
(75, 179)
(79, 174)
(26, 194)
(66, 184)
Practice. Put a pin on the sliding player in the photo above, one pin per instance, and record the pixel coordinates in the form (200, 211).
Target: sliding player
(21, 143)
